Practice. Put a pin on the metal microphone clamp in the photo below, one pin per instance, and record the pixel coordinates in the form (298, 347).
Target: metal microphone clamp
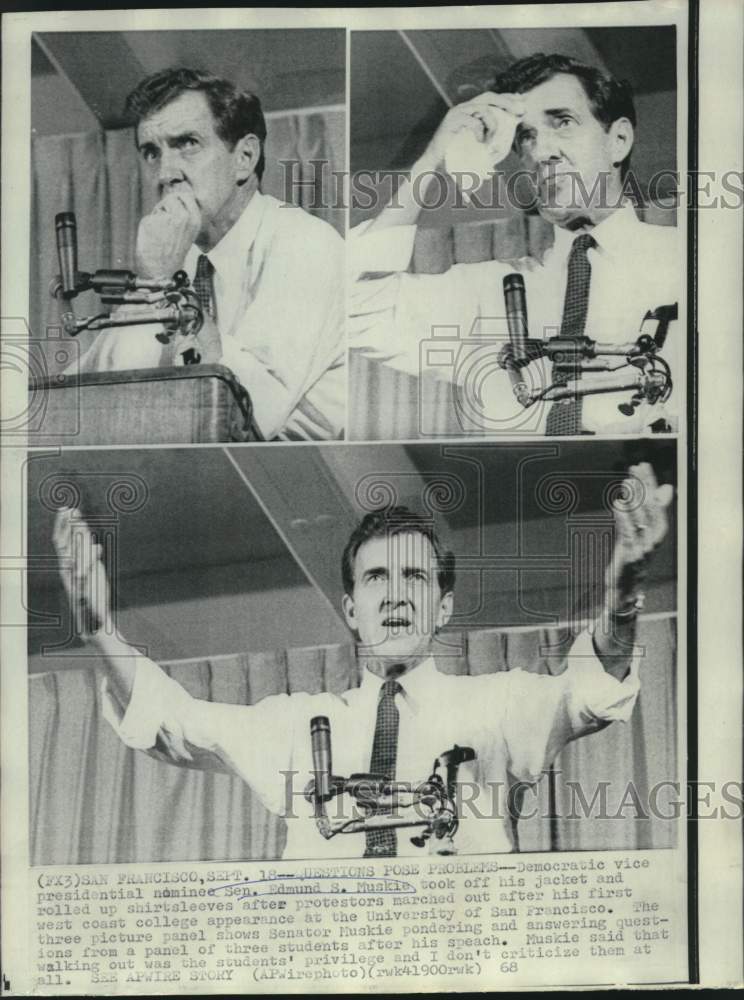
(641, 370)
(382, 803)
(174, 303)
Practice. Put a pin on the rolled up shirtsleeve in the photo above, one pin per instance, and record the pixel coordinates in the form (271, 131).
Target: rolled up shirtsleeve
(163, 719)
(545, 712)
(393, 312)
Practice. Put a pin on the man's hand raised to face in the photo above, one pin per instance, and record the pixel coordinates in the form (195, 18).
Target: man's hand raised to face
(486, 122)
(165, 235)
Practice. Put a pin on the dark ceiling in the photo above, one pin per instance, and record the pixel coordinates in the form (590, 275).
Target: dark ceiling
(286, 68)
(183, 514)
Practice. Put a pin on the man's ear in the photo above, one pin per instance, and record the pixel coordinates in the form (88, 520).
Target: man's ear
(246, 154)
(445, 609)
(621, 139)
(349, 612)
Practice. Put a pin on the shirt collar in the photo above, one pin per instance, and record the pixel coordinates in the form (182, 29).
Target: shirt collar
(230, 252)
(416, 683)
(613, 234)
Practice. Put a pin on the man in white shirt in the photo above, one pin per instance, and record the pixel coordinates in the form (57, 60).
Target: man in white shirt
(269, 276)
(398, 582)
(573, 129)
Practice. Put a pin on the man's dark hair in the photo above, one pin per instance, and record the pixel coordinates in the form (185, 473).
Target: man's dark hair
(397, 521)
(236, 113)
(608, 97)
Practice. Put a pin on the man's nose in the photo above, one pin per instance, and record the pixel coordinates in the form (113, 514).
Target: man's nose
(170, 172)
(395, 599)
(546, 147)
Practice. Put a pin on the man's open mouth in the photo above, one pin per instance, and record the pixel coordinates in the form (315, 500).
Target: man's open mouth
(396, 621)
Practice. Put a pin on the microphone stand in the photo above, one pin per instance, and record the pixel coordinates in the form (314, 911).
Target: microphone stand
(433, 802)
(650, 380)
(174, 303)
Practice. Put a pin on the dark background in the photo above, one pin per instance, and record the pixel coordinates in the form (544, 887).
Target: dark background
(207, 565)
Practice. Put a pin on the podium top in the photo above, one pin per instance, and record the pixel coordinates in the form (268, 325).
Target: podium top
(189, 404)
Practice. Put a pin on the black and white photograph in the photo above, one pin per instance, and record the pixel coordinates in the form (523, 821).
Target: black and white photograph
(370, 546)
(188, 176)
(375, 651)
(516, 260)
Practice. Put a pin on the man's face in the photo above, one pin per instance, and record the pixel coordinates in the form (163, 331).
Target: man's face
(569, 152)
(180, 145)
(396, 605)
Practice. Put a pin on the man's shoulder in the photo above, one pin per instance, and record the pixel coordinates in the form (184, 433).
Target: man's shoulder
(470, 683)
(294, 223)
(656, 260)
(655, 235)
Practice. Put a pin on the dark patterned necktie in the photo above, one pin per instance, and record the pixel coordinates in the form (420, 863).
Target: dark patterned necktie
(204, 285)
(564, 416)
(383, 843)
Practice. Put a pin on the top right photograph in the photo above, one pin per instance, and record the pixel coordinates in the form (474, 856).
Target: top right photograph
(517, 264)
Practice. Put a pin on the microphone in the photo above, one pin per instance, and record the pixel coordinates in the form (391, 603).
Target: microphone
(516, 321)
(516, 315)
(320, 743)
(66, 228)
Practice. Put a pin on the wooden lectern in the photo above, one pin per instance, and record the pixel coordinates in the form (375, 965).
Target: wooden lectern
(194, 404)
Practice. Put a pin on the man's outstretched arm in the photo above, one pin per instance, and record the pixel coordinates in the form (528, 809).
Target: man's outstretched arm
(641, 523)
(88, 590)
(89, 593)
(149, 710)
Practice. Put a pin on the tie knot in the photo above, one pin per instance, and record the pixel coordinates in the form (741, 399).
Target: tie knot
(583, 243)
(390, 688)
(204, 267)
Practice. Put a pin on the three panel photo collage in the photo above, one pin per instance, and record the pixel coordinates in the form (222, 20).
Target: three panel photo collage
(356, 426)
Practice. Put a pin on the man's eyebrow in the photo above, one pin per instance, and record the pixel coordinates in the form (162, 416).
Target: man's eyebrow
(410, 570)
(556, 112)
(374, 571)
(185, 133)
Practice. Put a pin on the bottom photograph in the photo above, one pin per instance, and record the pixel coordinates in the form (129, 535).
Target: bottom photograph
(352, 651)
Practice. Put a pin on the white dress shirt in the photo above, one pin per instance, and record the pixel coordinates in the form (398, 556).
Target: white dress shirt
(515, 721)
(279, 291)
(441, 323)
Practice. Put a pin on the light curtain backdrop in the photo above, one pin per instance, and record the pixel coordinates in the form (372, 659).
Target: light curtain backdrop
(95, 801)
(99, 176)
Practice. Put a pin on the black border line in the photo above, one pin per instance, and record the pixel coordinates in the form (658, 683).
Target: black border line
(693, 913)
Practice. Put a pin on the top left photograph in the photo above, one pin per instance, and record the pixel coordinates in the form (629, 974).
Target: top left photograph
(187, 237)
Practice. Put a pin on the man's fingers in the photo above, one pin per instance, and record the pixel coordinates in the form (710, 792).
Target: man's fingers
(189, 202)
(513, 103)
(471, 123)
(649, 511)
(497, 121)
(664, 495)
(661, 495)
(61, 530)
(178, 203)
(640, 513)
